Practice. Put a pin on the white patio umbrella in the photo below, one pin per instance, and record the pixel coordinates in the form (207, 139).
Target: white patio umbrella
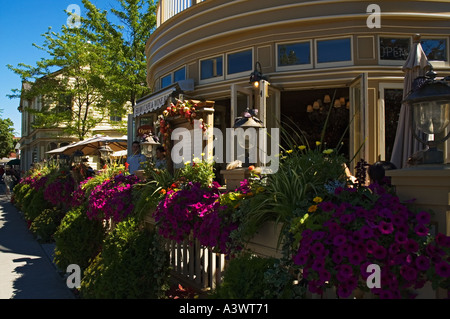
(91, 145)
(405, 144)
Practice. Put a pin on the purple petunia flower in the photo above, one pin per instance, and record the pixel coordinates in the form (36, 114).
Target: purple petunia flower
(421, 230)
(385, 228)
(409, 273)
(355, 258)
(366, 232)
(339, 240)
(300, 259)
(423, 217)
(327, 206)
(401, 238)
(411, 246)
(379, 252)
(422, 263)
(317, 248)
(345, 271)
(443, 240)
(442, 269)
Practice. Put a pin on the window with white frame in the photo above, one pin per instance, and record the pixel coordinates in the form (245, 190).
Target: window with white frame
(166, 81)
(239, 63)
(334, 52)
(394, 50)
(294, 55)
(211, 69)
(179, 75)
(435, 49)
(173, 77)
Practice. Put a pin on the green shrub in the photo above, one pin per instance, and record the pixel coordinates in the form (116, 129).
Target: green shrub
(45, 225)
(252, 277)
(78, 239)
(35, 204)
(244, 278)
(132, 264)
(20, 190)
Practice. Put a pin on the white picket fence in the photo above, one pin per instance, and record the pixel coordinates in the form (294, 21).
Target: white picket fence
(195, 264)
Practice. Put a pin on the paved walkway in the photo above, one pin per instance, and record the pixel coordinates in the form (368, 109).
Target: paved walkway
(26, 270)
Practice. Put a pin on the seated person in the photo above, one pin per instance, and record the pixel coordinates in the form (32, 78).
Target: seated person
(136, 159)
(160, 158)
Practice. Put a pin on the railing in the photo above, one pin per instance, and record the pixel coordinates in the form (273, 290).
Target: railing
(168, 8)
(196, 265)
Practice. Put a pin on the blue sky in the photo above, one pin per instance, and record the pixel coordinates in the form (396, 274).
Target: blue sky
(22, 23)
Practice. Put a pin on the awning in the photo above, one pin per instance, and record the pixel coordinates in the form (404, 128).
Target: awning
(153, 102)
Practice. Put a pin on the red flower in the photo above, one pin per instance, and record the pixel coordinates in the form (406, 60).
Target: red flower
(126, 165)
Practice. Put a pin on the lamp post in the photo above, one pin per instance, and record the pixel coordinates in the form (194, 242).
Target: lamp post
(247, 136)
(256, 76)
(105, 152)
(429, 103)
(77, 156)
(148, 146)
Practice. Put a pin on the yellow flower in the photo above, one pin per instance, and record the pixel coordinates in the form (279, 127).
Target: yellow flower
(289, 151)
(304, 218)
(317, 199)
(318, 143)
(328, 151)
(312, 208)
(302, 147)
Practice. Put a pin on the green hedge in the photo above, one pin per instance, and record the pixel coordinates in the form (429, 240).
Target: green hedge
(45, 225)
(132, 264)
(77, 239)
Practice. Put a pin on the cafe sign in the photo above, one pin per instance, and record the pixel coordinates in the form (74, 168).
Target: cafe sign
(144, 130)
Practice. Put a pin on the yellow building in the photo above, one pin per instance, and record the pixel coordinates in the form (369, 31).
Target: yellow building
(309, 51)
(35, 142)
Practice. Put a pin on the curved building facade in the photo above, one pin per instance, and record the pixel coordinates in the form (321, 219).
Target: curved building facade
(315, 55)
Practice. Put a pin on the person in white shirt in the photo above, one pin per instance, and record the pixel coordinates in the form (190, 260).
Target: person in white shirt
(136, 159)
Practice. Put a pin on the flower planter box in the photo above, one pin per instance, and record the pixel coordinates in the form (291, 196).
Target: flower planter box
(265, 242)
(140, 174)
(234, 177)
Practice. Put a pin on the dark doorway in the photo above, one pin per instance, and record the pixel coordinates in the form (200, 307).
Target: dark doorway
(306, 111)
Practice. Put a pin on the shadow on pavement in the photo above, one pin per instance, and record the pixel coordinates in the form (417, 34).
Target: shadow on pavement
(24, 261)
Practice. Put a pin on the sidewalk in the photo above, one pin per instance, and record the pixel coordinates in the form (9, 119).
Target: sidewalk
(26, 270)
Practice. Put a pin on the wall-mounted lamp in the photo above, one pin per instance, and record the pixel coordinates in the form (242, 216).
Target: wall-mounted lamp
(78, 156)
(429, 103)
(148, 146)
(105, 151)
(257, 75)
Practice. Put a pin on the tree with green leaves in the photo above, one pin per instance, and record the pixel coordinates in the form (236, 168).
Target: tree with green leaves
(100, 69)
(6, 136)
(124, 44)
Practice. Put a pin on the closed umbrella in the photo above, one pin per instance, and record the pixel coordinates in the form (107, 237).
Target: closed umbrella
(405, 144)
